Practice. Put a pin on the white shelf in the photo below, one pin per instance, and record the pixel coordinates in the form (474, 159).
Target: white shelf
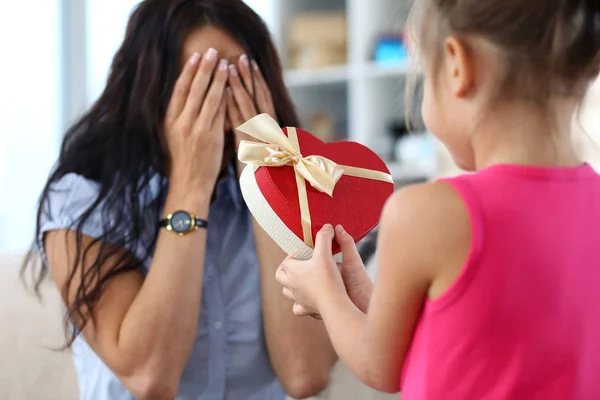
(344, 73)
(374, 70)
(363, 97)
(402, 172)
(316, 77)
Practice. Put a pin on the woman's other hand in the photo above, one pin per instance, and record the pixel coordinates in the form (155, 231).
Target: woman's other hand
(194, 124)
(240, 97)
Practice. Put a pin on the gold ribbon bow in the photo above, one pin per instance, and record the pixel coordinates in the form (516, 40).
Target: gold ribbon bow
(279, 150)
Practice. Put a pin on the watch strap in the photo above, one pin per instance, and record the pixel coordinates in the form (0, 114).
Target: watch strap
(200, 223)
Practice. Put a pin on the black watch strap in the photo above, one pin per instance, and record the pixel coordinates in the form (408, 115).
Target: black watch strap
(201, 223)
(178, 220)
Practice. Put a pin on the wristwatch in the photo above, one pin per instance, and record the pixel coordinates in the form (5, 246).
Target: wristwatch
(182, 222)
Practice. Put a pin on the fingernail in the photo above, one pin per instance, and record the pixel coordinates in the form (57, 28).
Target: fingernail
(328, 228)
(194, 58)
(233, 70)
(211, 54)
(244, 59)
(254, 65)
(339, 229)
(223, 65)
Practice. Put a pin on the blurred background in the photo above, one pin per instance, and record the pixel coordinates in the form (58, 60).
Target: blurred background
(346, 63)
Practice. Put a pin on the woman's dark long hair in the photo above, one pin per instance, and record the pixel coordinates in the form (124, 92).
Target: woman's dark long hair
(117, 143)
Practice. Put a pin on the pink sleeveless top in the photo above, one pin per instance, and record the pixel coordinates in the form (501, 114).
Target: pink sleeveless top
(522, 322)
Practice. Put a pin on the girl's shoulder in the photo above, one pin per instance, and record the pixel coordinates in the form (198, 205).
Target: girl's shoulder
(432, 222)
(428, 204)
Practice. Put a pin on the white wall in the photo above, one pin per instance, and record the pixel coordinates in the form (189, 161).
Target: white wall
(264, 8)
(32, 98)
(36, 103)
(106, 21)
(30, 111)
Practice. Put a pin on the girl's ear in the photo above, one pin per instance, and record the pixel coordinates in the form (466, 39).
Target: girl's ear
(459, 66)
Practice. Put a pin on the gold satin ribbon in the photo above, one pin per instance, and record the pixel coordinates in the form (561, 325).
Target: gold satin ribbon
(279, 150)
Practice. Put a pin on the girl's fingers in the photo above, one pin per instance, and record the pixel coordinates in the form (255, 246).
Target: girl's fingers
(241, 95)
(281, 276)
(182, 87)
(323, 242)
(197, 93)
(348, 247)
(213, 100)
(300, 311)
(288, 293)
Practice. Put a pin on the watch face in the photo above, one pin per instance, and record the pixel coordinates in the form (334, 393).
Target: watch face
(181, 222)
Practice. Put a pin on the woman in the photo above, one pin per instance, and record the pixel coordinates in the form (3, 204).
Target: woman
(168, 282)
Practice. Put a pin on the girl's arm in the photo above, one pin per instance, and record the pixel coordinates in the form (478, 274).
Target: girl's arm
(422, 245)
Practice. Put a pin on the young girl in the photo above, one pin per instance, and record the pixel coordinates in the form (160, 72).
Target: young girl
(487, 283)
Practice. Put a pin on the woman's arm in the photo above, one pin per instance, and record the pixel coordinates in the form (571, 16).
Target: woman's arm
(299, 348)
(144, 329)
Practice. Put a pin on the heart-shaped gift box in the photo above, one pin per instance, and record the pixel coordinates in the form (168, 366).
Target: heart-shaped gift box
(294, 184)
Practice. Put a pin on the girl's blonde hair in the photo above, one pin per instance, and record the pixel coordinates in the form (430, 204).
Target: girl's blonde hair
(547, 48)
